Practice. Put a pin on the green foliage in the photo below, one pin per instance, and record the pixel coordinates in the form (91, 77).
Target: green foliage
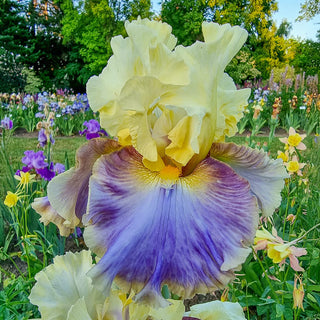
(307, 57)
(88, 28)
(13, 45)
(309, 9)
(266, 45)
(14, 302)
(186, 18)
(11, 79)
(284, 28)
(242, 67)
(33, 83)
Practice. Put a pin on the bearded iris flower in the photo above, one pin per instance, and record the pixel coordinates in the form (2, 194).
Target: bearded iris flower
(167, 201)
(93, 129)
(6, 123)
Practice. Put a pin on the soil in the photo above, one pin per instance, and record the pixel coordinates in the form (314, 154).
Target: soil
(201, 298)
(23, 133)
(264, 132)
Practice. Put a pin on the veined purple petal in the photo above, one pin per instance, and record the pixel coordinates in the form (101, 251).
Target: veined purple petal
(265, 175)
(190, 235)
(68, 192)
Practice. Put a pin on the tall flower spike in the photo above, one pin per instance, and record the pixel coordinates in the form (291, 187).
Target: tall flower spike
(169, 203)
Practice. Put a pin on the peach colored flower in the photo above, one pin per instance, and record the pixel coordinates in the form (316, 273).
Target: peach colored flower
(291, 217)
(298, 294)
(277, 249)
(283, 155)
(293, 166)
(294, 140)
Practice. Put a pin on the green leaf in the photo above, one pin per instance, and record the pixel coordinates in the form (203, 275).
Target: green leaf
(280, 310)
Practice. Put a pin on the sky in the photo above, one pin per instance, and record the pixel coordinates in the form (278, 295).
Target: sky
(288, 9)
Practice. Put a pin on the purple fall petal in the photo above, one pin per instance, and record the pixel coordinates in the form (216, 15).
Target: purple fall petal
(266, 176)
(191, 236)
(68, 191)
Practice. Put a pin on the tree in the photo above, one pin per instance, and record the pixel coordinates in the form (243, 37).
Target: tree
(185, 18)
(48, 55)
(265, 43)
(14, 38)
(309, 9)
(307, 57)
(88, 28)
(284, 29)
(31, 39)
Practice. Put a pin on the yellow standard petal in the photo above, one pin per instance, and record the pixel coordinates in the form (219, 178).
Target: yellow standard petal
(146, 80)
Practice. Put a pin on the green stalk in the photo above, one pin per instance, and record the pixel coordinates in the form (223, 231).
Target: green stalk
(265, 272)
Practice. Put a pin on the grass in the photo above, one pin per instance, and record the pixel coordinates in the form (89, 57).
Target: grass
(252, 287)
(64, 148)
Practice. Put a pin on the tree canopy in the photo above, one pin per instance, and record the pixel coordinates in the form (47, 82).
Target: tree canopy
(61, 43)
(309, 9)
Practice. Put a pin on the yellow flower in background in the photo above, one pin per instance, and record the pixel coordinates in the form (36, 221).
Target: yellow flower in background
(278, 251)
(11, 199)
(283, 155)
(294, 166)
(298, 294)
(25, 178)
(294, 140)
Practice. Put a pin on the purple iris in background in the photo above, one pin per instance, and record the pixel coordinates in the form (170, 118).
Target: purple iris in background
(47, 173)
(59, 168)
(93, 129)
(42, 138)
(6, 123)
(36, 161)
(40, 115)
